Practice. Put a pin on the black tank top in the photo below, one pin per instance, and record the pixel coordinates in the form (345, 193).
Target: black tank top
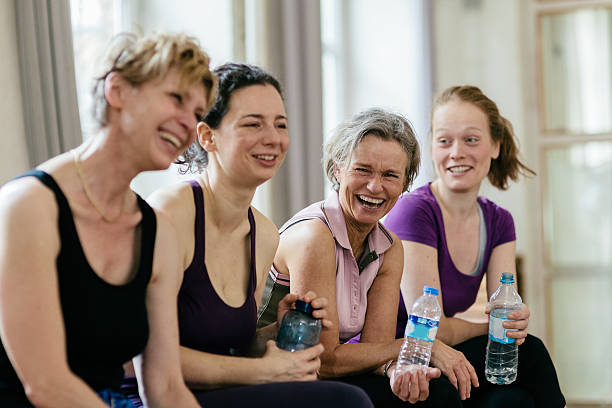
(206, 322)
(105, 324)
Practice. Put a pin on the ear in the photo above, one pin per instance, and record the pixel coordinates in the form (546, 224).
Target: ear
(337, 173)
(495, 150)
(114, 90)
(206, 137)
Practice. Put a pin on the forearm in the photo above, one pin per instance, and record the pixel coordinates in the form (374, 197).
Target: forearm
(453, 330)
(173, 394)
(61, 391)
(356, 358)
(209, 371)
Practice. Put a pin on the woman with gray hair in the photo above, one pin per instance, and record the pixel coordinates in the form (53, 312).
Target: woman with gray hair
(339, 249)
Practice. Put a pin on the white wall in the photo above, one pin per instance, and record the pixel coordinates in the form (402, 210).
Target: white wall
(13, 152)
(480, 42)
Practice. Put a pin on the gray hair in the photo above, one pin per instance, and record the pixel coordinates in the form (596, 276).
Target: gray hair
(376, 122)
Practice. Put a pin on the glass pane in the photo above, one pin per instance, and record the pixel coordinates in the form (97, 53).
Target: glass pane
(582, 329)
(577, 211)
(576, 71)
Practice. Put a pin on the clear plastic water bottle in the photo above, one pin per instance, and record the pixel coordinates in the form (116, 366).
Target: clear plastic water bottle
(299, 330)
(420, 331)
(501, 364)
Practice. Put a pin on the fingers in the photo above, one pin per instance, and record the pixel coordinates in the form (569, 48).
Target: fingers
(310, 353)
(423, 388)
(431, 372)
(473, 375)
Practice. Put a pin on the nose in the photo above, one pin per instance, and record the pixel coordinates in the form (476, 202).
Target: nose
(188, 122)
(273, 136)
(375, 184)
(456, 150)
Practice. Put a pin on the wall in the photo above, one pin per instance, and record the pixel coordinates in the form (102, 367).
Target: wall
(480, 42)
(13, 151)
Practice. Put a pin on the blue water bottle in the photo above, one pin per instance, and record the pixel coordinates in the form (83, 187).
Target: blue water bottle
(299, 330)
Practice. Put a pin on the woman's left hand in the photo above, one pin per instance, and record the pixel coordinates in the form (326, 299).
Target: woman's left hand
(518, 320)
(319, 304)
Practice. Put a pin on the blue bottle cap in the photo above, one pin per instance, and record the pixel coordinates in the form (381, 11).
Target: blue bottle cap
(304, 307)
(430, 290)
(507, 277)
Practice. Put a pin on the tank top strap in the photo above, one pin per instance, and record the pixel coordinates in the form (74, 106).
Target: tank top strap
(51, 184)
(147, 240)
(253, 282)
(199, 241)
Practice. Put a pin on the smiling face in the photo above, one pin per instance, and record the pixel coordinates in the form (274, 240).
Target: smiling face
(252, 140)
(462, 147)
(372, 180)
(159, 117)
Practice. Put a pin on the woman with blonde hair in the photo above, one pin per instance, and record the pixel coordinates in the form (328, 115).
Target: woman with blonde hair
(88, 271)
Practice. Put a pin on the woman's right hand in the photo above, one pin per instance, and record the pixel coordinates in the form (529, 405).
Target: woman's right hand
(301, 365)
(412, 385)
(456, 367)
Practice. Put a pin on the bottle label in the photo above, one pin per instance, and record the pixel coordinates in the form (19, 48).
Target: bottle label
(421, 328)
(497, 332)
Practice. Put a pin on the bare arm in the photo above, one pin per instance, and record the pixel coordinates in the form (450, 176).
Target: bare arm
(158, 366)
(420, 269)
(205, 370)
(31, 323)
(307, 251)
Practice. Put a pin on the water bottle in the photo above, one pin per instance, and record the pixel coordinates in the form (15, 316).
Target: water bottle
(502, 352)
(298, 329)
(420, 331)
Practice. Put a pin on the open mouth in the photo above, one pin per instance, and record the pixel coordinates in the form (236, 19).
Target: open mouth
(170, 138)
(266, 157)
(369, 202)
(459, 169)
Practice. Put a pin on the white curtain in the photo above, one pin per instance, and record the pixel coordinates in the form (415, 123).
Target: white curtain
(48, 86)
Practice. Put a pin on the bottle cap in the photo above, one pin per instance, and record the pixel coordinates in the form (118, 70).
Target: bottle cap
(507, 277)
(304, 307)
(430, 290)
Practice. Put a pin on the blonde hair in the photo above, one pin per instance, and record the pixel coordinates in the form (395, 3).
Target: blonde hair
(139, 59)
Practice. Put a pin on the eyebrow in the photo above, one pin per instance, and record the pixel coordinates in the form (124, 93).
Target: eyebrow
(259, 116)
(359, 164)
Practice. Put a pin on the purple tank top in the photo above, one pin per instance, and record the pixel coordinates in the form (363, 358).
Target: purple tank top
(206, 322)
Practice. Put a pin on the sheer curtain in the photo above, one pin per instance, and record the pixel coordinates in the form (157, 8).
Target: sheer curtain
(288, 44)
(50, 108)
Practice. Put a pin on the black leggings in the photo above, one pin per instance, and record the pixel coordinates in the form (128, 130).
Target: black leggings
(442, 394)
(536, 384)
(310, 394)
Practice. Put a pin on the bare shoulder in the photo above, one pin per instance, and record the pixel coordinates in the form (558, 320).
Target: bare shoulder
(166, 256)
(266, 236)
(394, 256)
(311, 236)
(176, 203)
(28, 200)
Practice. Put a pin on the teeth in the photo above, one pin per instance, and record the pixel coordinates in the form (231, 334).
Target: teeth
(171, 138)
(371, 200)
(459, 169)
(264, 157)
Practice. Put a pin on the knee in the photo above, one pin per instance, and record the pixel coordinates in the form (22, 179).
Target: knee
(352, 396)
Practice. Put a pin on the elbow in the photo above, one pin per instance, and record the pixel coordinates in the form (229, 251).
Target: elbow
(42, 391)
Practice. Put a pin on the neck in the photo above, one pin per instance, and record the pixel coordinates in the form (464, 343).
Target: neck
(455, 204)
(226, 204)
(357, 234)
(106, 172)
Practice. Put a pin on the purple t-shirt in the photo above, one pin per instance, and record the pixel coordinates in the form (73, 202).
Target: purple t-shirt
(417, 217)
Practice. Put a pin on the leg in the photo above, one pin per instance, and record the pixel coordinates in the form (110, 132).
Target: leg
(442, 394)
(319, 394)
(536, 373)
